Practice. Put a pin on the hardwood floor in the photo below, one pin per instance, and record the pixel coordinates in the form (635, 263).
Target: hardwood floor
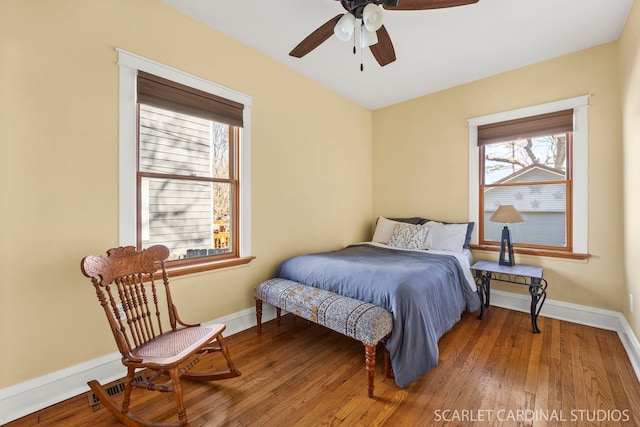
(491, 372)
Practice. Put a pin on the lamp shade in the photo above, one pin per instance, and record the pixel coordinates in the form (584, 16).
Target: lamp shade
(372, 17)
(345, 27)
(367, 38)
(506, 214)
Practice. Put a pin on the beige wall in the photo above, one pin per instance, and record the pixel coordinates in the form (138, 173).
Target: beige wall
(420, 162)
(629, 46)
(311, 170)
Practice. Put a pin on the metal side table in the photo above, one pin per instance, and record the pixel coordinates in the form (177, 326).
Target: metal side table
(527, 275)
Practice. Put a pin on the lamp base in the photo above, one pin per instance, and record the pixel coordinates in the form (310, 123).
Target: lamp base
(506, 249)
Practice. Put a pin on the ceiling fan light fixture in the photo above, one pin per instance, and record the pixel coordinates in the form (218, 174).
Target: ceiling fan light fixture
(345, 27)
(367, 38)
(372, 17)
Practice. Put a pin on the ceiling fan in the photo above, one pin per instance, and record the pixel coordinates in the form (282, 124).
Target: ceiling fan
(372, 33)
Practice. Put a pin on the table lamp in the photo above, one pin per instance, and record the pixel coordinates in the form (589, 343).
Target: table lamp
(506, 214)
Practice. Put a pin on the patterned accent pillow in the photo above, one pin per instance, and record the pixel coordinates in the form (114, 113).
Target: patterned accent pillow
(409, 236)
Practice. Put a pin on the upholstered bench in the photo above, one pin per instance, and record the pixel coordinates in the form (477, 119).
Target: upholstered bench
(365, 322)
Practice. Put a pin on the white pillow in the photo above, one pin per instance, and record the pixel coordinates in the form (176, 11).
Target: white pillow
(445, 237)
(409, 236)
(384, 230)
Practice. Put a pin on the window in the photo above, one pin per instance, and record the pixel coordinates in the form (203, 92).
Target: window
(523, 163)
(535, 160)
(184, 179)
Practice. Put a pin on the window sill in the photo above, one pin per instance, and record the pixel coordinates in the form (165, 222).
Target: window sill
(181, 270)
(537, 252)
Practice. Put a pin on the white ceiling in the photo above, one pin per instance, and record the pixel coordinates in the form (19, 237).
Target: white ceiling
(435, 49)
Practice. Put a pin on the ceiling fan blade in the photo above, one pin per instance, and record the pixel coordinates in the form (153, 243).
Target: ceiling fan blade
(427, 4)
(383, 51)
(316, 38)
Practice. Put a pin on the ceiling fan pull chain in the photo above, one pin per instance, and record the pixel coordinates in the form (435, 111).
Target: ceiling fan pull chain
(354, 44)
(354, 47)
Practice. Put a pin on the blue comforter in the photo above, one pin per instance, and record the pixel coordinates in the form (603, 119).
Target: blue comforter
(426, 294)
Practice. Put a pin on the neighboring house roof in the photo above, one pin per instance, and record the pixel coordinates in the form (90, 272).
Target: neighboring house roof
(531, 198)
(553, 173)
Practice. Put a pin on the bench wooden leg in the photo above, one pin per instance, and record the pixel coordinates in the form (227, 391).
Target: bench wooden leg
(370, 364)
(387, 363)
(259, 315)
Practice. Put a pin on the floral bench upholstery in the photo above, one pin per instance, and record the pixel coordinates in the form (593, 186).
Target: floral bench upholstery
(363, 321)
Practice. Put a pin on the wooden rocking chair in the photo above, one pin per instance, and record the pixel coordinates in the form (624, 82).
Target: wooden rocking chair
(124, 283)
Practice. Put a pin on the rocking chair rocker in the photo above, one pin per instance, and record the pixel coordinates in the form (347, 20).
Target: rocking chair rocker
(124, 283)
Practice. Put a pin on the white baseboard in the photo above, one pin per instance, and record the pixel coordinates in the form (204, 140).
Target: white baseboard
(31, 396)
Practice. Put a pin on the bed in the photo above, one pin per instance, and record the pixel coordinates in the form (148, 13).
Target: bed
(417, 269)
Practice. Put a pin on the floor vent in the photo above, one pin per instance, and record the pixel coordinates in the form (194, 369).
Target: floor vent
(114, 389)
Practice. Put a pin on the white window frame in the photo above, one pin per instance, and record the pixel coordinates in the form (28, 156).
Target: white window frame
(580, 153)
(129, 65)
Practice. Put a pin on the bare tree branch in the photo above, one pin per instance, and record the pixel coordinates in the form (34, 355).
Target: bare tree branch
(508, 160)
(529, 151)
(560, 152)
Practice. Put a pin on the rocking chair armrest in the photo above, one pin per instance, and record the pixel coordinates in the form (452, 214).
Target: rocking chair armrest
(123, 347)
(188, 325)
(180, 321)
(130, 358)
